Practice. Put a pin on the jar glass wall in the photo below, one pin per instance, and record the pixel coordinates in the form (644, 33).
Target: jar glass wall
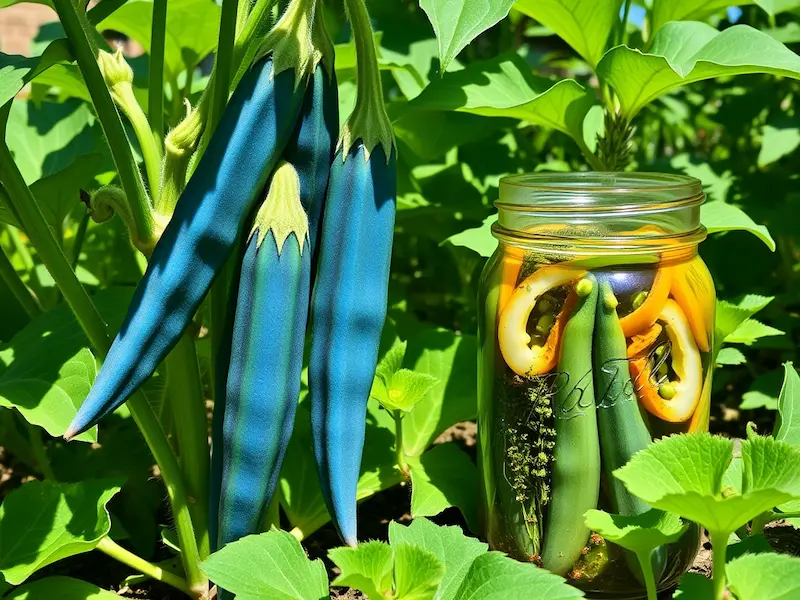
(595, 330)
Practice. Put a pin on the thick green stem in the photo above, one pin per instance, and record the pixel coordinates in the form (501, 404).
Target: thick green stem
(223, 62)
(758, 524)
(117, 552)
(400, 456)
(242, 12)
(42, 238)
(155, 93)
(80, 238)
(151, 147)
(189, 413)
(39, 451)
(24, 296)
(646, 563)
(77, 29)
(719, 547)
(623, 25)
(590, 156)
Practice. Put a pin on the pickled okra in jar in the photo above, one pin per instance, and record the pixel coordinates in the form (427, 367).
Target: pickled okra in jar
(595, 337)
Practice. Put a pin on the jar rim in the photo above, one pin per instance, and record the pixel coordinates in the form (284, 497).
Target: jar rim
(590, 191)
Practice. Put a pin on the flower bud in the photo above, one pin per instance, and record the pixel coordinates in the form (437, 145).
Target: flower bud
(115, 68)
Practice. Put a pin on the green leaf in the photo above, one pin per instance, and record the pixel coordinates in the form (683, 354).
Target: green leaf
(787, 423)
(720, 216)
(269, 566)
(583, 24)
(763, 392)
(478, 239)
(730, 356)
(42, 522)
(63, 588)
(750, 331)
(494, 576)
(449, 544)
(367, 567)
(16, 71)
(764, 577)
(442, 477)
(392, 360)
(505, 87)
(457, 23)
(639, 533)
(774, 7)
(406, 389)
(684, 52)
(695, 587)
(683, 474)
(417, 573)
(776, 143)
(729, 317)
(192, 27)
(687, 10)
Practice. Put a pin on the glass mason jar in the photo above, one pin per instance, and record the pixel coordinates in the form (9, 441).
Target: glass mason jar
(595, 333)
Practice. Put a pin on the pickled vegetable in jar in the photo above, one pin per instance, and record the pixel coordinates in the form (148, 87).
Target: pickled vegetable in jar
(595, 329)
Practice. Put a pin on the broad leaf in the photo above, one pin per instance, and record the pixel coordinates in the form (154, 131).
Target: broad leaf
(367, 567)
(774, 7)
(449, 544)
(443, 477)
(721, 216)
(494, 576)
(750, 331)
(42, 522)
(505, 87)
(687, 10)
(269, 566)
(192, 27)
(729, 317)
(695, 587)
(787, 424)
(777, 142)
(683, 474)
(458, 22)
(730, 356)
(684, 52)
(639, 533)
(417, 573)
(64, 588)
(763, 391)
(583, 24)
(404, 389)
(764, 577)
(16, 71)
(479, 239)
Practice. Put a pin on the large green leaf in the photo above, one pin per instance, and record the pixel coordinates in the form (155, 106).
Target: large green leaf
(777, 142)
(192, 28)
(478, 239)
(63, 588)
(583, 24)
(505, 87)
(720, 216)
(458, 22)
(774, 7)
(638, 533)
(685, 51)
(687, 10)
(787, 424)
(16, 71)
(270, 566)
(449, 544)
(766, 576)
(443, 477)
(42, 522)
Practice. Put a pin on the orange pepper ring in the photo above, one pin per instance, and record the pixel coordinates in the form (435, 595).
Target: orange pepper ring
(512, 335)
(643, 317)
(640, 343)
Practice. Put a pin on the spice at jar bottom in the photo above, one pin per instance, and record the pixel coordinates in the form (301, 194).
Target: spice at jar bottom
(596, 331)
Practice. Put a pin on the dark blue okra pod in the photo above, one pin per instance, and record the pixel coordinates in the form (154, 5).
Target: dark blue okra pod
(348, 305)
(211, 212)
(309, 152)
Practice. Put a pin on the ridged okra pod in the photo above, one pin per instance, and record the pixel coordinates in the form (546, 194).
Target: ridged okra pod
(576, 460)
(212, 211)
(310, 153)
(348, 305)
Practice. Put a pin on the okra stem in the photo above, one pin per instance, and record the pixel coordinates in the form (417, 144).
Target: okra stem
(117, 552)
(32, 220)
(76, 26)
(719, 544)
(155, 94)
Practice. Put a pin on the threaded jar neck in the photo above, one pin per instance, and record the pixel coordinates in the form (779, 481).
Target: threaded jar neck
(598, 212)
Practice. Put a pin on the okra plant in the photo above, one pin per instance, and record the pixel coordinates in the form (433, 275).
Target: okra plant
(211, 225)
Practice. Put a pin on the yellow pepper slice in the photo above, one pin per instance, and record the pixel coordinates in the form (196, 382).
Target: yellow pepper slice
(521, 357)
(642, 342)
(512, 263)
(642, 318)
(673, 401)
(693, 290)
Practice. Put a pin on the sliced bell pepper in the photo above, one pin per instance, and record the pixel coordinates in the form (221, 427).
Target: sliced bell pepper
(673, 401)
(512, 263)
(641, 319)
(693, 290)
(524, 359)
(641, 343)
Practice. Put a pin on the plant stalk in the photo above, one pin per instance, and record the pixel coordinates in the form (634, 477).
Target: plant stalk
(400, 456)
(20, 248)
(39, 451)
(719, 544)
(77, 28)
(24, 296)
(117, 552)
(623, 25)
(80, 238)
(150, 145)
(42, 238)
(155, 93)
(646, 564)
(223, 62)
